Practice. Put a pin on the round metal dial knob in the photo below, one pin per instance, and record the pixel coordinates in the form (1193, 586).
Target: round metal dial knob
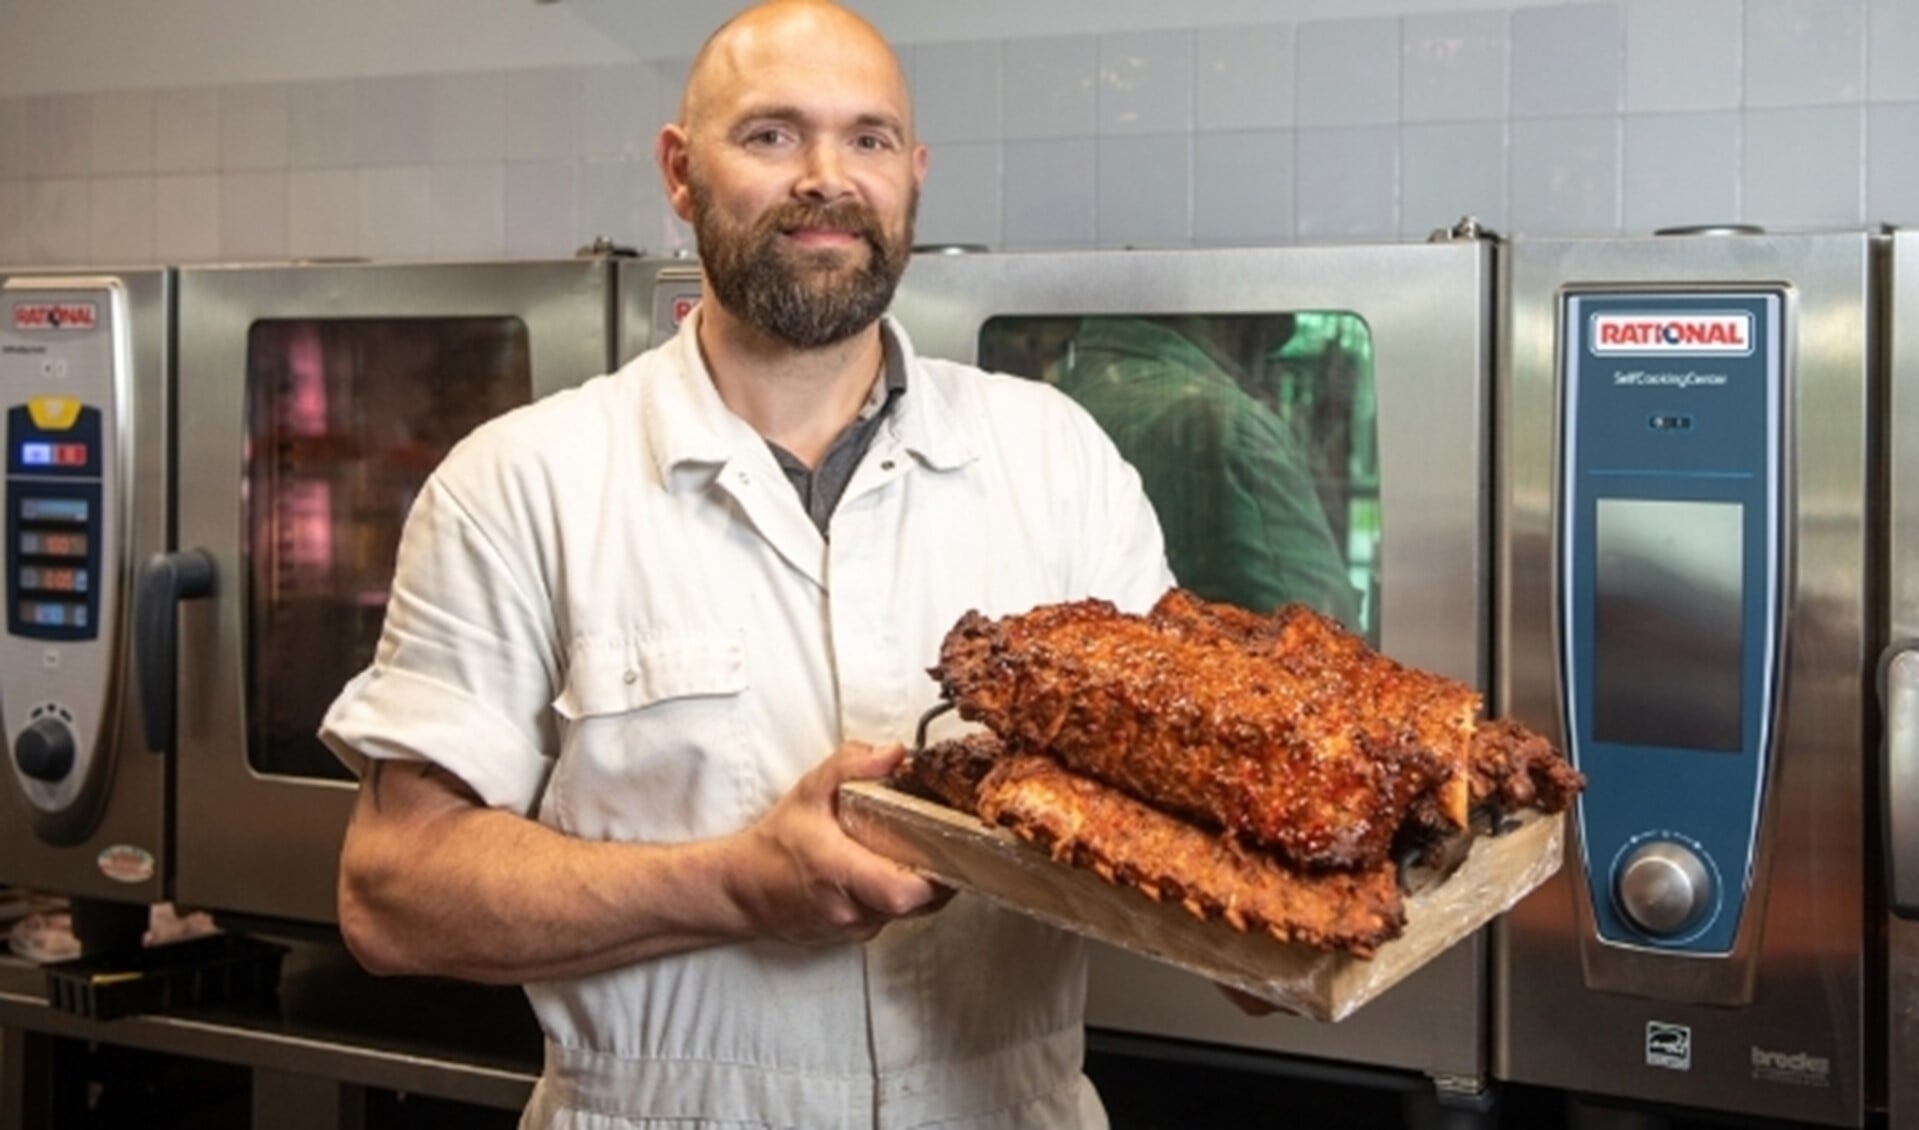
(1664, 887)
(44, 750)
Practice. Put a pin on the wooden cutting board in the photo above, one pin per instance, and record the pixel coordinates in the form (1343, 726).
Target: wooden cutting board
(958, 850)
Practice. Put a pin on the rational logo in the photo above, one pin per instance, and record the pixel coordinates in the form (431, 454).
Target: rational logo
(1723, 334)
(1668, 1046)
(55, 315)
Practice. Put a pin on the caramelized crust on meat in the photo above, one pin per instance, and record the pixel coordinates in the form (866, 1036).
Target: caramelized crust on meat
(951, 771)
(1286, 730)
(1439, 711)
(1515, 768)
(1129, 844)
(1511, 768)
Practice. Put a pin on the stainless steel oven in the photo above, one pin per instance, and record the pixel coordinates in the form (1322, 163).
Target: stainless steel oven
(85, 373)
(1690, 559)
(312, 401)
(1313, 424)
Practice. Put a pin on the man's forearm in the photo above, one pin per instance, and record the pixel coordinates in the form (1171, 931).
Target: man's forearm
(432, 883)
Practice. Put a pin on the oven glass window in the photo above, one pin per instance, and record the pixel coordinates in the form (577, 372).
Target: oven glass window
(345, 420)
(1256, 436)
(1667, 642)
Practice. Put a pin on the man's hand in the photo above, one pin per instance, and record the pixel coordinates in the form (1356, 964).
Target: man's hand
(800, 878)
(1247, 1002)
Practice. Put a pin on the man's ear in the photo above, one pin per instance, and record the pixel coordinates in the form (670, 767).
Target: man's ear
(671, 152)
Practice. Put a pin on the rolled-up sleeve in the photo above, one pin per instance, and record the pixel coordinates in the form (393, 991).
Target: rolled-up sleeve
(465, 669)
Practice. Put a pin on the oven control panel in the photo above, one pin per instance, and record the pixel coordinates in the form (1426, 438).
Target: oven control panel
(54, 458)
(63, 356)
(1670, 543)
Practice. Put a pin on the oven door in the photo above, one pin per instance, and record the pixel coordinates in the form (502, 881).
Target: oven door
(313, 403)
(1371, 365)
(86, 498)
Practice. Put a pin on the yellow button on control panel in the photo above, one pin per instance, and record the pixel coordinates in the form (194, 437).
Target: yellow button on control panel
(53, 413)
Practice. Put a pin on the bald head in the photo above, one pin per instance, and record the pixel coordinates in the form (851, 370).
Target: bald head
(775, 32)
(794, 161)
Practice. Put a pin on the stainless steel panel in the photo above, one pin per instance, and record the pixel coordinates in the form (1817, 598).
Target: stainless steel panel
(1902, 1020)
(1428, 308)
(268, 845)
(1900, 691)
(1902, 795)
(137, 795)
(1809, 948)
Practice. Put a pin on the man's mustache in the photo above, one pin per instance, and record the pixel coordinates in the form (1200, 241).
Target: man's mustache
(848, 216)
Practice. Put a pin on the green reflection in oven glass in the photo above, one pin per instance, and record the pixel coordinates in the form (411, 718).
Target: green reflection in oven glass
(1256, 436)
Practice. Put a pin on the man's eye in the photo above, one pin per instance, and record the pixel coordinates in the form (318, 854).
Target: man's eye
(873, 142)
(765, 137)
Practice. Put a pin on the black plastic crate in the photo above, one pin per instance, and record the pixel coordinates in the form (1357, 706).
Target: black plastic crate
(164, 978)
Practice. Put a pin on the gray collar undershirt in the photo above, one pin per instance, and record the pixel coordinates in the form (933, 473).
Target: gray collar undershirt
(820, 488)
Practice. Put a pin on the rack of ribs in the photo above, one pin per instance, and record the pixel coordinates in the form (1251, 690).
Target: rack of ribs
(1286, 730)
(1266, 771)
(1084, 824)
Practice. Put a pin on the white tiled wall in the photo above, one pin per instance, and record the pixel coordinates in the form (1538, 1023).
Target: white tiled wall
(1600, 117)
(1684, 56)
(1453, 68)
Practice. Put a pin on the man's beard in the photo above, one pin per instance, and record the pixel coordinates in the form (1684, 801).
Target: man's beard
(805, 298)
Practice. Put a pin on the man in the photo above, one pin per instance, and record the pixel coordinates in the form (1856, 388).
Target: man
(626, 663)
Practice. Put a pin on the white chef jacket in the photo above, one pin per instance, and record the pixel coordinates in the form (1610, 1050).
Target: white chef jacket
(611, 610)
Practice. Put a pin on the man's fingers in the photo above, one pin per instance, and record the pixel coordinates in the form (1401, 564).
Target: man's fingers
(1247, 1002)
(889, 888)
(859, 761)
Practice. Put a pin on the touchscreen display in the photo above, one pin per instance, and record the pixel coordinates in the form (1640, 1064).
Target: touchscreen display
(1667, 624)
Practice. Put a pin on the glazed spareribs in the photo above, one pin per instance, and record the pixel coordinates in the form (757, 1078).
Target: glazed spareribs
(1286, 730)
(1085, 824)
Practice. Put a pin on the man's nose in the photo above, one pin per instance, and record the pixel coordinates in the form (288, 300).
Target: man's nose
(824, 176)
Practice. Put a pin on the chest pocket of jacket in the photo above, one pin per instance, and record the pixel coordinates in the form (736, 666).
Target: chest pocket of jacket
(654, 736)
(616, 676)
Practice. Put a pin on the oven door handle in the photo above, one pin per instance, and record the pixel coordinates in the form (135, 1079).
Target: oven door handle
(165, 580)
(1899, 696)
